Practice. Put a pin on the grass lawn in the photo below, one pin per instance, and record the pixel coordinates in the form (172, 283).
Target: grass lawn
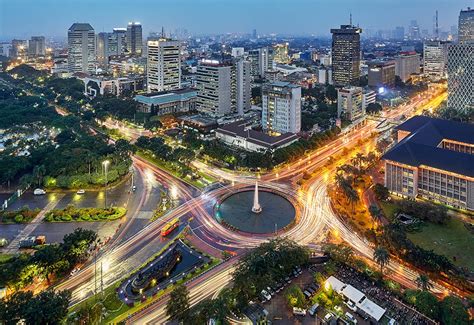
(452, 239)
(389, 209)
(5, 258)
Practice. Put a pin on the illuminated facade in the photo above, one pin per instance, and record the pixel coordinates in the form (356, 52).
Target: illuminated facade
(350, 103)
(281, 53)
(134, 39)
(281, 107)
(461, 76)
(434, 59)
(163, 65)
(433, 159)
(81, 48)
(466, 26)
(346, 55)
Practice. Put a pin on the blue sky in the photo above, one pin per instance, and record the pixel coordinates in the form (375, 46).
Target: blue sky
(23, 18)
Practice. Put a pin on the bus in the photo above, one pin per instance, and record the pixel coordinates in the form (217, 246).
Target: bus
(169, 227)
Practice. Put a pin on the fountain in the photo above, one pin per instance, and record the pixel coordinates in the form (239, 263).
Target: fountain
(256, 206)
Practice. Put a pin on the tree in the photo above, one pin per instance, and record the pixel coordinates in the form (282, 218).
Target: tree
(48, 307)
(381, 192)
(453, 312)
(38, 174)
(295, 297)
(50, 259)
(381, 256)
(427, 304)
(13, 307)
(373, 108)
(331, 93)
(375, 213)
(178, 304)
(77, 243)
(423, 282)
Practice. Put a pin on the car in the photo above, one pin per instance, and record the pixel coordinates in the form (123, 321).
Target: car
(39, 191)
(74, 271)
(81, 191)
(351, 318)
(314, 308)
(266, 295)
(299, 311)
(314, 286)
(287, 279)
(270, 291)
(351, 305)
(307, 294)
(328, 317)
(134, 188)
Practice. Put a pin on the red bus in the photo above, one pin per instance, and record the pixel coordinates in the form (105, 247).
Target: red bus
(169, 227)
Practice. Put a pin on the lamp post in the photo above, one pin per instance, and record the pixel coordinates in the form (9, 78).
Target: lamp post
(105, 163)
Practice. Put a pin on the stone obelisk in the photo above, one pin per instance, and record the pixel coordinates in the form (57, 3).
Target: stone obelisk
(256, 206)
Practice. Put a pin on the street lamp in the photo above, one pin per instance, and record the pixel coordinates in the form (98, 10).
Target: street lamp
(105, 163)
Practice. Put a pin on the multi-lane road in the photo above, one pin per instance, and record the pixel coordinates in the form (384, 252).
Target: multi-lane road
(125, 254)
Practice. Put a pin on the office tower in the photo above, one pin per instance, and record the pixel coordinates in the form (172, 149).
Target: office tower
(280, 52)
(237, 52)
(254, 34)
(381, 73)
(281, 107)
(399, 33)
(346, 55)
(19, 49)
(5, 49)
(241, 88)
(434, 59)
(102, 49)
(81, 48)
(118, 42)
(466, 26)
(350, 103)
(163, 65)
(261, 60)
(414, 31)
(406, 64)
(461, 76)
(213, 82)
(134, 38)
(37, 46)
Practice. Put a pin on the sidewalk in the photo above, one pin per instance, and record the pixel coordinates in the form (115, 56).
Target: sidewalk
(14, 245)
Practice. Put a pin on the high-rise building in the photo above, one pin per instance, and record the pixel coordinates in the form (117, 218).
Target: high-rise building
(19, 49)
(350, 103)
(134, 38)
(399, 33)
(238, 52)
(407, 64)
(81, 48)
(414, 31)
(5, 49)
(466, 26)
(381, 73)
(346, 55)
(461, 76)
(213, 82)
(163, 65)
(37, 46)
(241, 88)
(254, 34)
(281, 107)
(434, 59)
(102, 49)
(261, 60)
(280, 52)
(118, 42)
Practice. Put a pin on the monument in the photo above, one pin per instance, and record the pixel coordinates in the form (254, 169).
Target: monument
(256, 206)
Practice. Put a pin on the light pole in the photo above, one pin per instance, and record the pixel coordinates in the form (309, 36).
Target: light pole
(105, 163)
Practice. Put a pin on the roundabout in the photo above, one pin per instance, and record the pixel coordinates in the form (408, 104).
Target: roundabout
(256, 211)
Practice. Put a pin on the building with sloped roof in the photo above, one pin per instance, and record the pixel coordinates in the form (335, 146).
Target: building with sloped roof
(433, 159)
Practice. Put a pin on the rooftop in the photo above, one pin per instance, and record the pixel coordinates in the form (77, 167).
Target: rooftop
(420, 147)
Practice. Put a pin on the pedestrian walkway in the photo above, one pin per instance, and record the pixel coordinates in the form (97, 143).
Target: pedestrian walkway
(30, 227)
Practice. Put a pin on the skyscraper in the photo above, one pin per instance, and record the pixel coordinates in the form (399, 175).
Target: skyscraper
(461, 76)
(134, 38)
(102, 49)
(346, 55)
(281, 53)
(163, 65)
(19, 49)
(37, 46)
(434, 59)
(261, 60)
(81, 48)
(213, 82)
(466, 26)
(241, 88)
(281, 107)
(350, 103)
(118, 41)
(399, 33)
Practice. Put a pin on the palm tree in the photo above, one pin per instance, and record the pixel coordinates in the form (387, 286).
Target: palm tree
(375, 213)
(38, 174)
(423, 282)
(381, 256)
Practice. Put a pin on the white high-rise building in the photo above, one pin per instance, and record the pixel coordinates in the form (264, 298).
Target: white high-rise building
(237, 52)
(163, 65)
(350, 103)
(434, 59)
(241, 88)
(81, 48)
(281, 107)
(261, 60)
(461, 76)
(406, 64)
(466, 26)
(213, 82)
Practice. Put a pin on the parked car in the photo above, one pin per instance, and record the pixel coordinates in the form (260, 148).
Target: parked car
(328, 317)
(307, 294)
(299, 311)
(74, 271)
(287, 279)
(266, 295)
(134, 188)
(81, 191)
(351, 318)
(351, 305)
(39, 191)
(314, 308)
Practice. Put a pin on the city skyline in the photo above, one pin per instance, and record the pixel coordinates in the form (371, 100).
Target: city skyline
(318, 18)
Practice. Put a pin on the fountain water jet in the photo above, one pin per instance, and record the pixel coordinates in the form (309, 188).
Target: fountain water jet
(256, 206)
